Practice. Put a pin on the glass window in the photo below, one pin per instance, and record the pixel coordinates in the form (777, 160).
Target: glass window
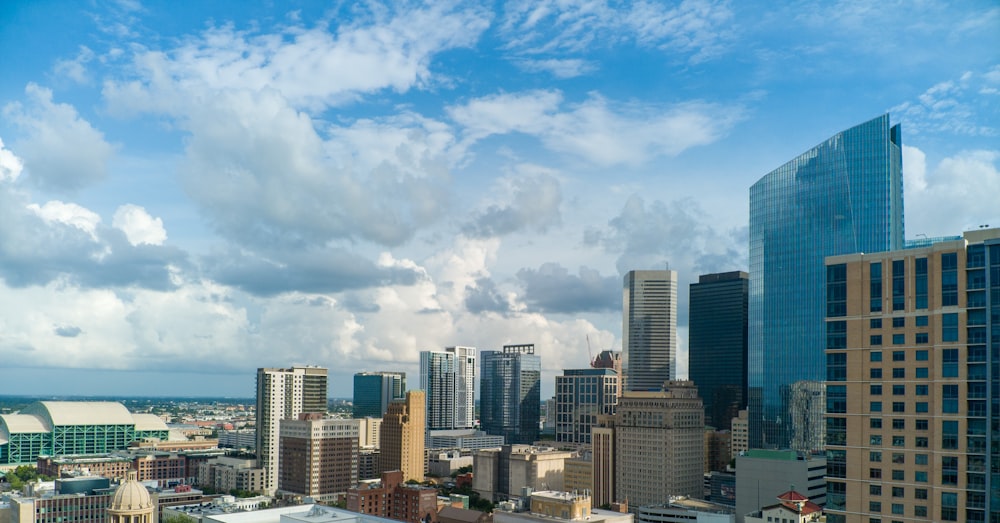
(875, 389)
(949, 434)
(922, 424)
(949, 279)
(898, 424)
(874, 490)
(836, 334)
(920, 493)
(836, 366)
(921, 390)
(922, 338)
(949, 506)
(949, 327)
(920, 511)
(920, 442)
(949, 395)
(899, 390)
(876, 406)
(875, 340)
(949, 470)
(836, 290)
(875, 287)
(921, 407)
(899, 372)
(875, 456)
(921, 372)
(899, 322)
(899, 285)
(921, 283)
(898, 458)
(921, 321)
(875, 355)
(875, 473)
(875, 374)
(899, 441)
(949, 363)
(874, 423)
(921, 355)
(875, 323)
(875, 439)
(920, 476)
(836, 399)
(920, 459)
(898, 339)
(874, 506)
(898, 355)
(897, 508)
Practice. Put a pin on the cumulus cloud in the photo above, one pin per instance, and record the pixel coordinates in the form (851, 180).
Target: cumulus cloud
(597, 130)
(139, 227)
(10, 165)
(956, 194)
(76, 68)
(68, 331)
(71, 214)
(484, 296)
(551, 288)
(694, 29)
(532, 202)
(49, 126)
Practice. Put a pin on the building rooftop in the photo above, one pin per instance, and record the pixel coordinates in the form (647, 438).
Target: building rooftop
(297, 514)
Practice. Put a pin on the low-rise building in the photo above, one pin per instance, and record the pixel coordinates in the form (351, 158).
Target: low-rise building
(764, 474)
(394, 499)
(443, 464)
(227, 473)
(547, 505)
(501, 473)
(791, 507)
(685, 510)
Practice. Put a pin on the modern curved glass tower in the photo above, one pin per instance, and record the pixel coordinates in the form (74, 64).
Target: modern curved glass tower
(843, 196)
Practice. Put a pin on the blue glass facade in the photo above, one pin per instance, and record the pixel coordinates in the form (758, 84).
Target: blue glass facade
(373, 391)
(843, 196)
(510, 397)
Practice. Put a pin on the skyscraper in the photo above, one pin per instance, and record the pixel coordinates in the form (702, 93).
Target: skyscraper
(318, 456)
(717, 344)
(402, 436)
(510, 393)
(913, 352)
(843, 196)
(649, 328)
(373, 391)
(581, 396)
(448, 378)
(284, 394)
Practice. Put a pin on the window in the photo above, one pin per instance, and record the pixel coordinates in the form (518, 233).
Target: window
(949, 327)
(921, 355)
(898, 355)
(899, 285)
(836, 431)
(921, 407)
(898, 406)
(949, 395)
(898, 373)
(897, 508)
(875, 355)
(920, 511)
(899, 339)
(875, 473)
(899, 441)
(949, 470)
(920, 493)
(949, 279)
(949, 363)
(949, 434)
(875, 490)
(920, 476)
(921, 282)
(922, 390)
(949, 506)
(920, 459)
(836, 366)
(920, 442)
(875, 406)
(921, 424)
(899, 390)
(836, 334)
(874, 506)
(875, 286)
(898, 424)
(921, 372)
(875, 389)
(922, 338)
(875, 323)
(876, 440)
(875, 374)
(875, 456)
(836, 399)
(836, 290)
(898, 492)
(874, 423)
(921, 321)
(899, 322)
(875, 340)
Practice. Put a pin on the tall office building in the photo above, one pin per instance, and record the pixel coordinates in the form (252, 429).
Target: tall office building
(845, 195)
(717, 344)
(284, 394)
(602, 437)
(448, 377)
(649, 329)
(373, 391)
(318, 456)
(581, 396)
(659, 444)
(510, 393)
(402, 435)
(913, 382)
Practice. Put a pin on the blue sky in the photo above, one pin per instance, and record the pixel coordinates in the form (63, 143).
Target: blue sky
(189, 191)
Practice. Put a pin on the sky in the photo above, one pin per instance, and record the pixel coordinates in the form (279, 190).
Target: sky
(193, 190)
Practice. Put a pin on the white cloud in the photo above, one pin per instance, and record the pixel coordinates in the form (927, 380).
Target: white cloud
(10, 165)
(560, 68)
(83, 153)
(139, 227)
(527, 200)
(71, 214)
(953, 107)
(76, 69)
(960, 194)
(914, 170)
(597, 130)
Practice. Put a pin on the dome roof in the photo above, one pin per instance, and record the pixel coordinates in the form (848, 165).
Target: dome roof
(130, 496)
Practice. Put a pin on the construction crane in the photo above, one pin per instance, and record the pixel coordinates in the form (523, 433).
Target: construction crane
(590, 352)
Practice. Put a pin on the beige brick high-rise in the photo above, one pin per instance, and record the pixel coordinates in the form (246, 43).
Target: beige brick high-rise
(912, 345)
(402, 436)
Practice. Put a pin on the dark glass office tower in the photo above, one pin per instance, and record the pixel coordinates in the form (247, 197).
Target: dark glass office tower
(510, 393)
(843, 196)
(373, 391)
(717, 344)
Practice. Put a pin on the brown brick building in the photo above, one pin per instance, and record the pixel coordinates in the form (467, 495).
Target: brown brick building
(317, 457)
(395, 500)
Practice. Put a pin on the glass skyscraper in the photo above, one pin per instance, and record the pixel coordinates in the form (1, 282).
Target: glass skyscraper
(373, 391)
(649, 329)
(843, 196)
(448, 378)
(510, 393)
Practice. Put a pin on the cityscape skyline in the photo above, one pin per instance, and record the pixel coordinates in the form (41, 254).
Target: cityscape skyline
(223, 197)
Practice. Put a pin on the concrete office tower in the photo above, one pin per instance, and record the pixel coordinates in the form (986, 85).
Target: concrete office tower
(843, 196)
(402, 433)
(581, 396)
(510, 393)
(500, 473)
(912, 353)
(448, 377)
(761, 475)
(659, 440)
(717, 344)
(603, 445)
(649, 329)
(318, 456)
(284, 394)
(373, 391)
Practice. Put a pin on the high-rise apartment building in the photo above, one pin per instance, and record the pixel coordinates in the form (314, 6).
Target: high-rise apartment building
(913, 386)
(284, 394)
(448, 377)
(659, 444)
(649, 328)
(845, 195)
(373, 391)
(510, 393)
(402, 435)
(717, 344)
(581, 396)
(318, 457)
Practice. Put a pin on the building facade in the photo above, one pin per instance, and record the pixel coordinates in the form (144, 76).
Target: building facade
(649, 329)
(581, 396)
(284, 394)
(659, 444)
(501, 473)
(318, 457)
(843, 196)
(717, 344)
(449, 379)
(510, 393)
(402, 445)
(394, 499)
(603, 459)
(374, 391)
(913, 387)
(762, 475)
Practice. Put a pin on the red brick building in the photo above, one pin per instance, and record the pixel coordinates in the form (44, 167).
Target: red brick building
(394, 499)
